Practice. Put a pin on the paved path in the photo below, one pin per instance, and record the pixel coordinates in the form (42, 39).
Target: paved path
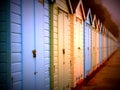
(108, 78)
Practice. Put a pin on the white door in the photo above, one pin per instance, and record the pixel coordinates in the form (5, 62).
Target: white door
(97, 48)
(81, 50)
(35, 69)
(78, 51)
(63, 51)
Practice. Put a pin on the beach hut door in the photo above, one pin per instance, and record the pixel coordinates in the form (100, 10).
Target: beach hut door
(35, 68)
(63, 51)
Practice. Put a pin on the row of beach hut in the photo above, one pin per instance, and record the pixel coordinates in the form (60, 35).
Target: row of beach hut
(50, 44)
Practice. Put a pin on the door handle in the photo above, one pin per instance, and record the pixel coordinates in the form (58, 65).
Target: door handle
(34, 53)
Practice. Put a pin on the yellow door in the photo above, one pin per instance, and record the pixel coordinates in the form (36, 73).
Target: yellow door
(63, 51)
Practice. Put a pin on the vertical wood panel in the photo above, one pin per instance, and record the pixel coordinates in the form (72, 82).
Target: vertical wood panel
(28, 44)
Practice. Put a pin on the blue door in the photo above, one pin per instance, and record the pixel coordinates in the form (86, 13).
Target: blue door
(35, 46)
(100, 48)
(87, 38)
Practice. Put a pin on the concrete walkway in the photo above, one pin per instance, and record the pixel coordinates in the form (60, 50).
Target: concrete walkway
(108, 78)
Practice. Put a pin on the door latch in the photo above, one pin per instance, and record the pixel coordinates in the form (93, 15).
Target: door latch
(78, 47)
(63, 51)
(34, 53)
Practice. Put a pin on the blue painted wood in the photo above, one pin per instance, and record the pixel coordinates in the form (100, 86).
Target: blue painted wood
(36, 23)
(87, 45)
(16, 38)
(15, 8)
(16, 44)
(100, 47)
(28, 44)
(17, 77)
(15, 28)
(87, 49)
(17, 86)
(17, 2)
(42, 45)
(16, 67)
(15, 18)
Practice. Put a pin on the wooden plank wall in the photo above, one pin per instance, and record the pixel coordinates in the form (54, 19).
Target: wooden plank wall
(46, 45)
(62, 5)
(16, 44)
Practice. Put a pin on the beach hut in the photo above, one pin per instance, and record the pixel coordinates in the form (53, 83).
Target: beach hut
(108, 43)
(100, 42)
(10, 45)
(94, 42)
(24, 45)
(97, 44)
(77, 51)
(103, 53)
(104, 43)
(35, 44)
(60, 45)
(87, 43)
